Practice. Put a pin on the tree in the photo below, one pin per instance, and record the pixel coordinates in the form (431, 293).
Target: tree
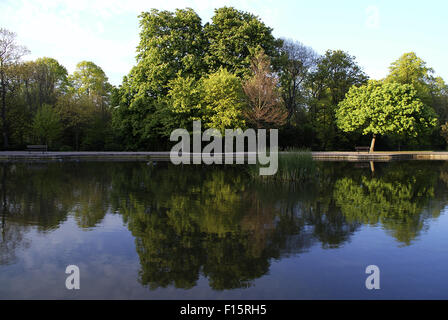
(90, 80)
(432, 90)
(222, 101)
(384, 108)
(233, 35)
(184, 103)
(76, 114)
(10, 54)
(297, 61)
(175, 49)
(439, 93)
(89, 98)
(265, 108)
(336, 72)
(19, 114)
(217, 99)
(46, 124)
(410, 69)
(44, 80)
(172, 44)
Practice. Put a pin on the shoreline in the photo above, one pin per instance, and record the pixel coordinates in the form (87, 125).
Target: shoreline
(165, 155)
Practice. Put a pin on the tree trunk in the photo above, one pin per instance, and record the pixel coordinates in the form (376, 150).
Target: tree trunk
(372, 145)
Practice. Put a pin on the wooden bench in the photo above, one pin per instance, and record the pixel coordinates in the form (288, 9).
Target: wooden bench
(365, 149)
(39, 147)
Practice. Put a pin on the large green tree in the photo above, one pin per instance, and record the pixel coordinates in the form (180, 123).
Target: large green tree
(44, 80)
(185, 69)
(90, 80)
(233, 37)
(410, 69)
(431, 89)
(380, 108)
(10, 55)
(172, 44)
(336, 72)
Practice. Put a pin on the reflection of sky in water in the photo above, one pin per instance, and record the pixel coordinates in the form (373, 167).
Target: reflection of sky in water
(109, 268)
(110, 265)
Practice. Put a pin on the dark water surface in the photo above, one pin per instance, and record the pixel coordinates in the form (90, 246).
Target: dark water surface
(166, 232)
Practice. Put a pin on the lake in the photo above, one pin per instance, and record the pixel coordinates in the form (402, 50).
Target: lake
(159, 231)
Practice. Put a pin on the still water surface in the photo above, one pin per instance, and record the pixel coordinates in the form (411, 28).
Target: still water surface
(139, 231)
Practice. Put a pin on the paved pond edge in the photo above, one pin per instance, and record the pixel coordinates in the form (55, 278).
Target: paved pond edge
(165, 156)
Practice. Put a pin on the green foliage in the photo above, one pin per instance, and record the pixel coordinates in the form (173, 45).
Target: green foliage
(77, 115)
(222, 101)
(90, 80)
(432, 90)
(54, 74)
(385, 108)
(170, 42)
(410, 69)
(217, 223)
(188, 71)
(184, 103)
(336, 72)
(216, 99)
(46, 125)
(395, 200)
(44, 81)
(171, 45)
(234, 36)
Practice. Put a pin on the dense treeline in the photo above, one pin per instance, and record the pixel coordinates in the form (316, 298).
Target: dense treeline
(230, 72)
(43, 104)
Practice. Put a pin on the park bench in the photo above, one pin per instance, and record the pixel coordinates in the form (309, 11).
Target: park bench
(39, 147)
(365, 149)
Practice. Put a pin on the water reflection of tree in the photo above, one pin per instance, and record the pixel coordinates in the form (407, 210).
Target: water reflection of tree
(190, 221)
(217, 222)
(11, 237)
(399, 199)
(42, 195)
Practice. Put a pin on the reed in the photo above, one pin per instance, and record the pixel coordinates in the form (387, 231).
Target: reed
(293, 165)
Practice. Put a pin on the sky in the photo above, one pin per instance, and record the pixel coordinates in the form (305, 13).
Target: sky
(106, 32)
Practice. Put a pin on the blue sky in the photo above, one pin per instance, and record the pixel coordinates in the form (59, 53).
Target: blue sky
(376, 32)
